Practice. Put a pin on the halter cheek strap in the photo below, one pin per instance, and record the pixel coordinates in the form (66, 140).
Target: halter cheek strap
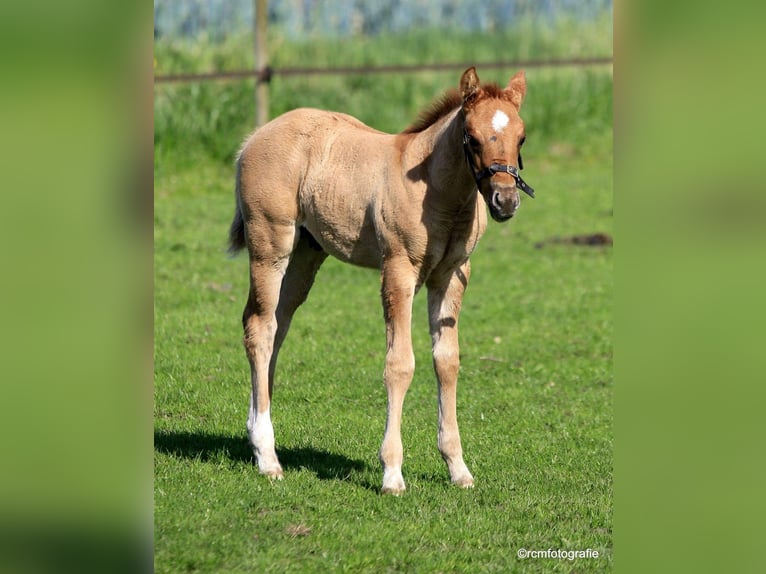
(496, 168)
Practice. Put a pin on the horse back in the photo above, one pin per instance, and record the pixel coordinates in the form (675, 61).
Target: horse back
(322, 171)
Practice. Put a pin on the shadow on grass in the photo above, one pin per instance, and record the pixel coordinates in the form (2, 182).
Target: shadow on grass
(206, 447)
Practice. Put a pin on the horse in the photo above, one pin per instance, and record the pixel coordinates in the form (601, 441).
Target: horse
(313, 183)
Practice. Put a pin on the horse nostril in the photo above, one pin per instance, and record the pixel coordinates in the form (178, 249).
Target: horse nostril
(496, 199)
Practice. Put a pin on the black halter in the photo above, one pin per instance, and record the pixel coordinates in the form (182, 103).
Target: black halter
(495, 168)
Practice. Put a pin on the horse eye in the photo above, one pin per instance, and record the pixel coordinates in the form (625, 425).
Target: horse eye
(523, 139)
(473, 142)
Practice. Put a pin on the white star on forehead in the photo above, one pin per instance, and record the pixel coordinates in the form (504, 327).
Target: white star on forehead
(499, 121)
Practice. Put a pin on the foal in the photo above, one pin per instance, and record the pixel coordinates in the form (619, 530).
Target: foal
(312, 183)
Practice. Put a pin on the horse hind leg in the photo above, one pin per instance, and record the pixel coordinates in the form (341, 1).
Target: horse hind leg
(280, 281)
(305, 261)
(270, 248)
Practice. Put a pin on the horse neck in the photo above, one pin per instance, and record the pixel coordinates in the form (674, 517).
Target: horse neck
(446, 167)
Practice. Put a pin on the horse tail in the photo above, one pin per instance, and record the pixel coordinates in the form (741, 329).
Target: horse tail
(237, 230)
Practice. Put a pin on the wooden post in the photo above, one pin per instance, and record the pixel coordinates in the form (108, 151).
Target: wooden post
(261, 63)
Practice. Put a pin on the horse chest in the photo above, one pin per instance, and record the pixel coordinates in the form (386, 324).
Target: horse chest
(456, 243)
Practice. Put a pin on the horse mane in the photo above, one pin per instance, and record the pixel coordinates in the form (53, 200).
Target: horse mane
(447, 102)
(439, 108)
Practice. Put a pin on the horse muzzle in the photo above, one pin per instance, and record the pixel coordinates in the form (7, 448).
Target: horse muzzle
(503, 201)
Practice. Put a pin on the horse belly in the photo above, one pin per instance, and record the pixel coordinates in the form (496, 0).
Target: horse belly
(342, 223)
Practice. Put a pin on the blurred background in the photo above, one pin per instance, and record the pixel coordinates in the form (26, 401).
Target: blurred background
(381, 61)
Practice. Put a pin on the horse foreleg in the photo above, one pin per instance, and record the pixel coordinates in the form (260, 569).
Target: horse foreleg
(398, 290)
(444, 302)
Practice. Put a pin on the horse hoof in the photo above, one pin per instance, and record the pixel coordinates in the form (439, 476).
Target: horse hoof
(393, 481)
(393, 491)
(465, 482)
(273, 473)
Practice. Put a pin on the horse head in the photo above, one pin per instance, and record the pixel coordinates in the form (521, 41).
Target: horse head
(492, 138)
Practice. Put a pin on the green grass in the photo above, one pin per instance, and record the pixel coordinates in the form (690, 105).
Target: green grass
(211, 119)
(534, 400)
(528, 39)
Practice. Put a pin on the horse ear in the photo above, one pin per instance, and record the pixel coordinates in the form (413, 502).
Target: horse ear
(517, 85)
(469, 84)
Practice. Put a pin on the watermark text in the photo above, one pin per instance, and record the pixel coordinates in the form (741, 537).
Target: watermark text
(557, 553)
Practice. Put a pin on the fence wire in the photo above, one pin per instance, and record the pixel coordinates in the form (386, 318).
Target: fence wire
(266, 74)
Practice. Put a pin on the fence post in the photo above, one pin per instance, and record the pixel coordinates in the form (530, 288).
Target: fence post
(261, 63)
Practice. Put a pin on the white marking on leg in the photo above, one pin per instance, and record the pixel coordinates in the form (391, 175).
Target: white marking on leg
(393, 481)
(262, 439)
(499, 121)
(459, 473)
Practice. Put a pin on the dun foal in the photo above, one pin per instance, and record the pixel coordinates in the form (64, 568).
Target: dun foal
(312, 183)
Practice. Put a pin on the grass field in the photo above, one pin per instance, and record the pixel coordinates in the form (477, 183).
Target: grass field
(212, 118)
(534, 399)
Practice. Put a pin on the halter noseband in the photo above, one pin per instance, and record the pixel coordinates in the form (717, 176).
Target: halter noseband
(494, 168)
